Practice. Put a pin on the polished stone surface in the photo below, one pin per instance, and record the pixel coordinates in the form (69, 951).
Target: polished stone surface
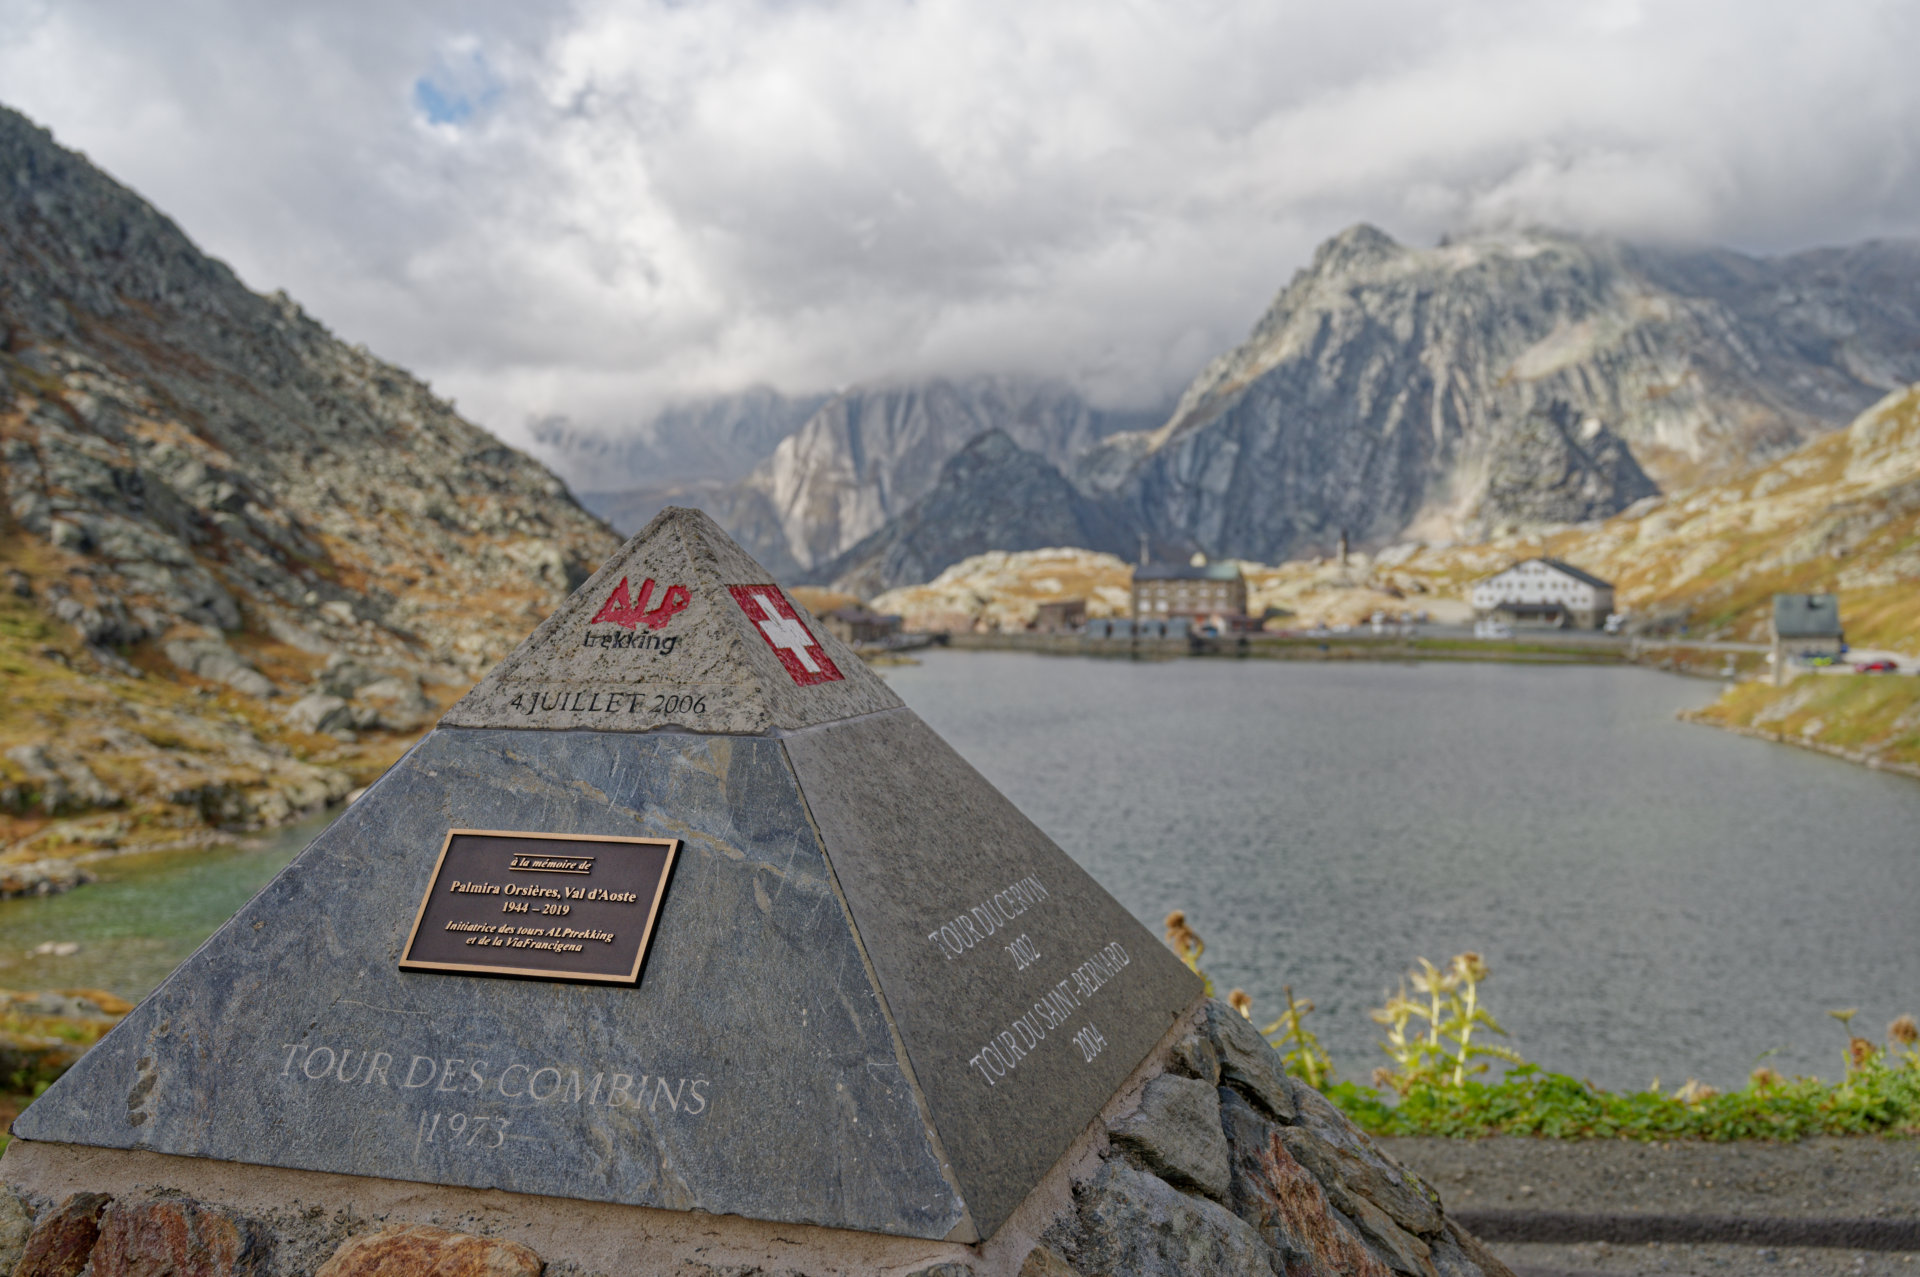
(751, 1072)
(690, 656)
(1017, 1018)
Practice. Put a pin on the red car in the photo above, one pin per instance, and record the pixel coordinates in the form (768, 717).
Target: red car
(1876, 667)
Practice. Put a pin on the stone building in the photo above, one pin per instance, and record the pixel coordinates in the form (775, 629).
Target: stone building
(1205, 589)
(858, 625)
(1547, 592)
(1805, 625)
(1060, 616)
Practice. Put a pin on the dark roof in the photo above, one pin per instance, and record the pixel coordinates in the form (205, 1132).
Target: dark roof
(855, 614)
(1806, 615)
(1561, 565)
(1186, 572)
(1574, 572)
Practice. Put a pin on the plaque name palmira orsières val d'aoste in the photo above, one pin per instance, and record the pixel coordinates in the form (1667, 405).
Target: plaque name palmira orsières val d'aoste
(541, 906)
(874, 996)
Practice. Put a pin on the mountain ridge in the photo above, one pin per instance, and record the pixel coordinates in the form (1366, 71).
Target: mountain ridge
(1514, 380)
(1372, 392)
(233, 543)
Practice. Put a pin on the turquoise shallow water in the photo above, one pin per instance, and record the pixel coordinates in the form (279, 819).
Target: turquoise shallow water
(144, 916)
(1656, 898)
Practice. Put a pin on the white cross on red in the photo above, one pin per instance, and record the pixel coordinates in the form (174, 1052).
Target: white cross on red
(786, 634)
(799, 651)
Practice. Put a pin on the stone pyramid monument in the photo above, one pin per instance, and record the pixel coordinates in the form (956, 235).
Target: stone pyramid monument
(680, 907)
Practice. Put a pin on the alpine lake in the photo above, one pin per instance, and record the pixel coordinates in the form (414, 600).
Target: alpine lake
(1655, 899)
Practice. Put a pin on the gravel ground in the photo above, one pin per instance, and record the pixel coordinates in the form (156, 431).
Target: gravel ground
(1865, 1177)
(1622, 1183)
(1591, 1260)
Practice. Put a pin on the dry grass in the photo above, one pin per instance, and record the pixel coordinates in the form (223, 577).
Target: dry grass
(1868, 719)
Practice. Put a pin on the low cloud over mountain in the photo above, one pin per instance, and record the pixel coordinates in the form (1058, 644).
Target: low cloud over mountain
(589, 210)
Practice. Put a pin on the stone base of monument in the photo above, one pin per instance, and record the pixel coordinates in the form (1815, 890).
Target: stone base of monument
(1209, 1160)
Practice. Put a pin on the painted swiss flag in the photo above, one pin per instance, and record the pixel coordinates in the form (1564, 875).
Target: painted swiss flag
(799, 651)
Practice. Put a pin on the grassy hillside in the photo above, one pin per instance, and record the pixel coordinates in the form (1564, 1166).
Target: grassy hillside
(1841, 514)
(1874, 720)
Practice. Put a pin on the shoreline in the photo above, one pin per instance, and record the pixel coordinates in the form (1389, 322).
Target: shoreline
(1858, 757)
(1336, 647)
(1705, 659)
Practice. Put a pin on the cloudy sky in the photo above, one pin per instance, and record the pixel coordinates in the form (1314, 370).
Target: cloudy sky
(589, 208)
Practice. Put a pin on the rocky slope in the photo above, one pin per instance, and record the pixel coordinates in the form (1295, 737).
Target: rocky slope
(1391, 391)
(993, 495)
(232, 542)
(871, 452)
(1841, 513)
(1002, 590)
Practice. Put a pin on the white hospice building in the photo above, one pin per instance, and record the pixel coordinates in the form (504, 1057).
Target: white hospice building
(1544, 592)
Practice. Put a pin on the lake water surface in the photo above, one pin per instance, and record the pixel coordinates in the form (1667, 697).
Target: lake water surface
(1654, 897)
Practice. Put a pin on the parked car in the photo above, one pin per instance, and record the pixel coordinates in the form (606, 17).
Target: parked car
(1881, 666)
(1492, 630)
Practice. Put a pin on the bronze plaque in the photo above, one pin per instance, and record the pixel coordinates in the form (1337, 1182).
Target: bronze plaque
(547, 906)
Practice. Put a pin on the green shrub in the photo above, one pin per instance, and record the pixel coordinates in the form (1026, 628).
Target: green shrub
(1435, 1086)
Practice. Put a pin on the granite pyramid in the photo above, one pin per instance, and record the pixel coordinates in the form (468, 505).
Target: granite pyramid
(874, 996)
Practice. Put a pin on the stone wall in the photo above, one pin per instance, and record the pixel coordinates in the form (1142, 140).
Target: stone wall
(1210, 1161)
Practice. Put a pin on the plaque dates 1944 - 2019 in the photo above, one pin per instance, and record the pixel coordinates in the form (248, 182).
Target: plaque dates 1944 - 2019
(544, 906)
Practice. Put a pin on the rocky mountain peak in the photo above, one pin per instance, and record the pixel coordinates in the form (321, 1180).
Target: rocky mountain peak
(1386, 387)
(1360, 247)
(991, 495)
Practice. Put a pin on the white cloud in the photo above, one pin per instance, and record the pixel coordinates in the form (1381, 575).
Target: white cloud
(586, 209)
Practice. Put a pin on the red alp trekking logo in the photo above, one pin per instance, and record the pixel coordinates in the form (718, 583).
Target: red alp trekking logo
(630, 614)
(799, 652)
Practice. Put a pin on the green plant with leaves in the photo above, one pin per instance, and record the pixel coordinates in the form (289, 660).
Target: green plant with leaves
(1298, 1045)
(1441, 1050)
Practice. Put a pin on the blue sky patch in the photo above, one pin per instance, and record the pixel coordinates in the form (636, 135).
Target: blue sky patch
(439, 105)
(460, 85)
